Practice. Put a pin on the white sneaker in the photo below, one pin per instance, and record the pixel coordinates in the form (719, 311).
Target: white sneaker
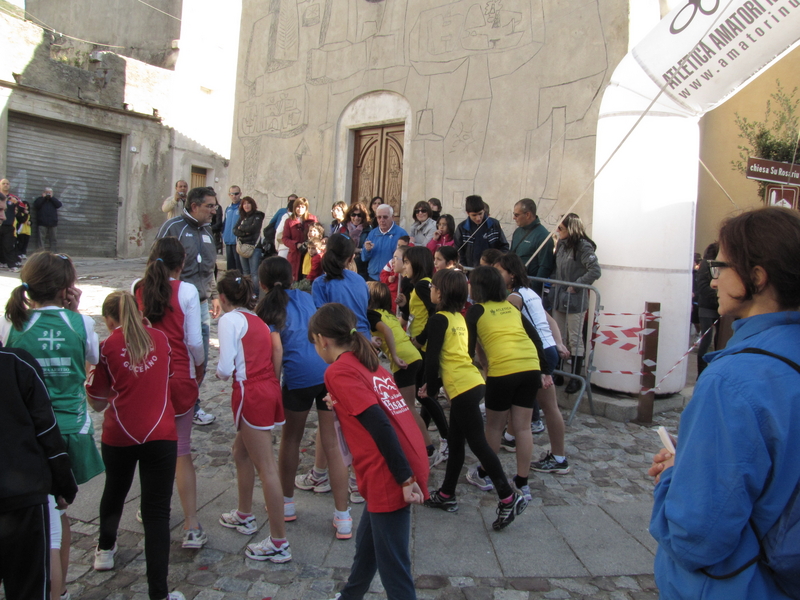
(176, 595)
(232, 520)
(104, 559)
(355, 496)
(201, 417)
(311, 482)
(266, 550)
(344, 527)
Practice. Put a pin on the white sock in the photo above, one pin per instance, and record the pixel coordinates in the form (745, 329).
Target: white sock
(319, 473)
(341, 514)
(559, 459)
(288, 500)
(508, 437)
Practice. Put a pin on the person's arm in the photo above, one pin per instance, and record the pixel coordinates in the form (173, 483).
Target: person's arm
(423, 289)
(563, 351)
(227, 332)
(37, 401)
(92, 353)
(546, 258)
(192, 324)
(277, 353)
(98, 386)
(502, 242)
(279, 230)
(386, 333)
(544, 366)
(365, 254)
(474, 314)
(590, 263)
(436, 328)
(380, 429)
(169, 204)
(56, 202)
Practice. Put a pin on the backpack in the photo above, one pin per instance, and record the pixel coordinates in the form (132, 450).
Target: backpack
(780, 547)
(268, 241)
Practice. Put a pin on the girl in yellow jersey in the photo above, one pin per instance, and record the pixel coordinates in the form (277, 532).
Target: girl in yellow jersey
(447, 354)
(418, 263)
(406, 360)
(515, 359)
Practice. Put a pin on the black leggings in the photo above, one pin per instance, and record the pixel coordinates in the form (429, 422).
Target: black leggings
(431, 409)
(156, 473)
(466, 424)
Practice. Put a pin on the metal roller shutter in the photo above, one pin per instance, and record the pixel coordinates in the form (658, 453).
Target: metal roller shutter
(82, 167)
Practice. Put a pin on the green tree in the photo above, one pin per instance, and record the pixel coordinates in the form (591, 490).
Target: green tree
(776, 138)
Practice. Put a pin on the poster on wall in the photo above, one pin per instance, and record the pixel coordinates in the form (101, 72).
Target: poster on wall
(704, 50)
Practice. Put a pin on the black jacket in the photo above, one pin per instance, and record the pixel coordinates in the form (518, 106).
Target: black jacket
(706, 295)
(248, 229)
(33, 456)
(46, 208)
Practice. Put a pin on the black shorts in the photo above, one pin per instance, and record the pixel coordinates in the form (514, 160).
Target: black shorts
(301, 399)
(408, 376)
(517, 389)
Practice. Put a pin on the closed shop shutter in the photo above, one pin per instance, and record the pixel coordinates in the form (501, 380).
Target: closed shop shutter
(82, 167)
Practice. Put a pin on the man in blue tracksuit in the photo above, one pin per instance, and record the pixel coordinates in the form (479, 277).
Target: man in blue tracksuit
(231, 218)
(381, 242)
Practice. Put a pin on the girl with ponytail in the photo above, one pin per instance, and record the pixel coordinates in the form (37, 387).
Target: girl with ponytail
(389, 456)
(287, 311)
(252, 354)
(173, 307)
(44, 307)
(132, 377)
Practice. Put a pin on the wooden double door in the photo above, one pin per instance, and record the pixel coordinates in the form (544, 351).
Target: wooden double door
(378, 165)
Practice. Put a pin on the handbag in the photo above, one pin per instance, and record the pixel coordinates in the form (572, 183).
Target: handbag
(244, 250)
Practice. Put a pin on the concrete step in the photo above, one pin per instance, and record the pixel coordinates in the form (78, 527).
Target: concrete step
(622, 407)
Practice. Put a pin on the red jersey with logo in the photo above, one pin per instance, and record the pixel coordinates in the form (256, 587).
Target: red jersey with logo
(178, 323)
(139, 408)
(354, 389)
(245, 351)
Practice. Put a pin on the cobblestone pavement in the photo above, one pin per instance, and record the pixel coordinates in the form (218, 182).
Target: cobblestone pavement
(583, 536)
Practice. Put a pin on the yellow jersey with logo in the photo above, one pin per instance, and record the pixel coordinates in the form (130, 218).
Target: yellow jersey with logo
(458, 373)
(406, 351)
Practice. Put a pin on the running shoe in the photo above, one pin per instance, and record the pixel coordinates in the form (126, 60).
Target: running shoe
(176, 595)
(194, 538)
(104, 559)
(266, 550)
(525, 490)
(549, 464)
(507, 512)
(139, 515)
(482, 483)
(344, 527)
(65, 596)
(289, 512)
(436, 500)
(537, 426)
(508, 445)
(319, 484)
(355, 496)
(232, 520)
(435, 458)
(201, 417)
(444, 449)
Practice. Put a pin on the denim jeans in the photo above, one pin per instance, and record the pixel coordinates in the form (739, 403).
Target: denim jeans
(382, 543)
(232, 257)
(156, 462)
(250, 265)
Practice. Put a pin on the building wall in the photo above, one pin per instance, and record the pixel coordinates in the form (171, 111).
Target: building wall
(497, 104)
(719, 146)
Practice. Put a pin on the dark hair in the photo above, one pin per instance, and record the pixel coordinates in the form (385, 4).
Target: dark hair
(449, 253)
(337, 322)
(528, 206)
(122, 308)
(339, 251)
(166, 256)
(451, 224)
(197, 195)
(421, 261)
(711, 251)
(769, 238)
(379, 296)
(473, 204)
(513, 265)
(357, 206)
(486, 285)
(42, 277)
(290, 201)
(252, 202)
(575, 233)
(423, 204)
(435, 202)
(453, 291)
(371, 210)
(238, 289)
(404, 238)
(318, 227)
(275, 274)
(491, 255)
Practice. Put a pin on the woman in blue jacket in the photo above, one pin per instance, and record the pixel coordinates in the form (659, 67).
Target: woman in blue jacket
(736, 463)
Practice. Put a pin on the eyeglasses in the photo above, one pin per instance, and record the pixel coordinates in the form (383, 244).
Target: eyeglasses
(359, 215)
(211, 206)
(234, 193)
(421, 210)
(715, 266)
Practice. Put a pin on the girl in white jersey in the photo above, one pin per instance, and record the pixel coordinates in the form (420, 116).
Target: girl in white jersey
(530, 304)
(42, 317)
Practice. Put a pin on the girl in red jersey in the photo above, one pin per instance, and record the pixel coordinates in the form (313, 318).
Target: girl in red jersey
(133, 378)
(173, 307)
(389, 455)
(252, 354)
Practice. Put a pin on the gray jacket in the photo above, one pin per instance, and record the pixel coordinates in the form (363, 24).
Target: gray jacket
(583, 269)
(201, 252)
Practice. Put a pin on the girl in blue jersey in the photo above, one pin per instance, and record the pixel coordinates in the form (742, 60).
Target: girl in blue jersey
(288, 311)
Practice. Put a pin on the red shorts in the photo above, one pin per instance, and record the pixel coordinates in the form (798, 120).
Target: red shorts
(183, 392)
(258, 403)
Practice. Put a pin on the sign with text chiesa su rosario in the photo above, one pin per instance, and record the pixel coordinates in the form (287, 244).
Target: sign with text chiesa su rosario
(704, 50)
